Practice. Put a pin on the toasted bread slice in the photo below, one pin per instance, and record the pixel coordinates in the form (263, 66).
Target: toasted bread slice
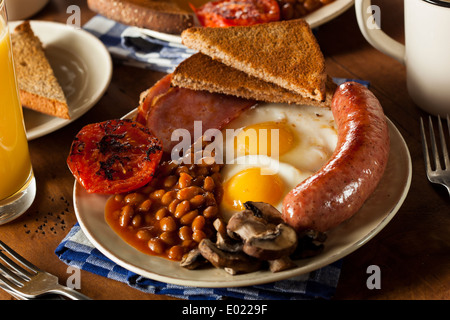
(39, 89)
(201, 72)
(159, 15)
(285, 53)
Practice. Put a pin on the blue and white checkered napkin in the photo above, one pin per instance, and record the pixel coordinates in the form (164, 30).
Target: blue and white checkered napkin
(76, 250)
(135, 47)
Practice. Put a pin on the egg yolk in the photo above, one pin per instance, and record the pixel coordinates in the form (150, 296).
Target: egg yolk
(257, 139)
(251, 185)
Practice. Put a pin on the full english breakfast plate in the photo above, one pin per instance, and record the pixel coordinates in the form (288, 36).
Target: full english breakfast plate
(82, 65)
(375, 214)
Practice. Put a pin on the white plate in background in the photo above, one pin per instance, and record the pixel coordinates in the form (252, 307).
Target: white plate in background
(82, 65)
(315, 19)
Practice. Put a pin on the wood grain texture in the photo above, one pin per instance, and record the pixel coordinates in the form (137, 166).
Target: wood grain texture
(412, 251)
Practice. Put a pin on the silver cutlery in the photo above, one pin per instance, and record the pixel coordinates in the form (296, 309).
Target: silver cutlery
(26, 281)
(438, 165)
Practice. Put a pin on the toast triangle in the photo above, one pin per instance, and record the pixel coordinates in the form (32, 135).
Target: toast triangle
(201, 72)
(285, 53)
(38, 86)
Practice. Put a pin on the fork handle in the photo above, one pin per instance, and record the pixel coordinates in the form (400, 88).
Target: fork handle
(70, 293)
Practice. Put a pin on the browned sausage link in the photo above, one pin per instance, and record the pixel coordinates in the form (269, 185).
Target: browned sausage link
(340, 188)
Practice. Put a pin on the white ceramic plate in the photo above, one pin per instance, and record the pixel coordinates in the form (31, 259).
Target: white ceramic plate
(82, 66)
(378, 210)
(328, 12)
(315, 19)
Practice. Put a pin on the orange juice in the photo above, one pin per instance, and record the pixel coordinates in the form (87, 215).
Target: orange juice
(15, 165)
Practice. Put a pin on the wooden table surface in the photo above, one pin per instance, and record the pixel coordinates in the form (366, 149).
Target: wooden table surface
(412, 251)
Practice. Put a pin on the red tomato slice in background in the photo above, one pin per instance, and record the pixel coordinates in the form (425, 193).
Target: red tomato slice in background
(226, 13)
(114, 156)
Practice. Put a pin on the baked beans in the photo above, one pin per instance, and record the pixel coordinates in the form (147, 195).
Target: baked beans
(173, 213)
(294, 9)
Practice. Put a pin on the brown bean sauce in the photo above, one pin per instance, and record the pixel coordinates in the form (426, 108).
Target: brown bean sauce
(172, 214)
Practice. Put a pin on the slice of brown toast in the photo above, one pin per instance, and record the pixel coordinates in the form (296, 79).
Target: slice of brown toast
(285, 53)
(39, 89)
(201, 72)
(159, 15)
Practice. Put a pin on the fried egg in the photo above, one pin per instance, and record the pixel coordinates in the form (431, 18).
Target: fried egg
(303, 136)
(257, 178)
(270, 149)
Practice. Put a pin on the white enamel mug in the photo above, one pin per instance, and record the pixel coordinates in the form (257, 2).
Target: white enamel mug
(426, 53)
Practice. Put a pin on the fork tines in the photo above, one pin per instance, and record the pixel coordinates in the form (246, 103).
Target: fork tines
(435, 161)
(438, 167)
(26, 281)
(12, 271)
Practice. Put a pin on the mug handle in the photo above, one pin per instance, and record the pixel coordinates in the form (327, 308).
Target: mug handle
(374, 35)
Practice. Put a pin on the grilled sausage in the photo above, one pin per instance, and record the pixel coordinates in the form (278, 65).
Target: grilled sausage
(340, 188)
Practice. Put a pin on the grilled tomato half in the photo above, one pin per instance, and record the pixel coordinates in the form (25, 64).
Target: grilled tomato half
(114, 156)
(225, 13)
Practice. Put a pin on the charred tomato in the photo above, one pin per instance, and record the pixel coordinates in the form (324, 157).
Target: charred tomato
(114, 156)
(225, 13)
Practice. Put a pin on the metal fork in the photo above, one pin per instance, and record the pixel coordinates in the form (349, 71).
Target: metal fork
(26, 280)
(436, 171)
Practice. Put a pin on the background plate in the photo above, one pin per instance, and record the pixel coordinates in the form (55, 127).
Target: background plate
(82, 66)
(328, 12)
(315, 19)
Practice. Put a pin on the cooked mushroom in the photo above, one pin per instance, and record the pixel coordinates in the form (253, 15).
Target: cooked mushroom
(273, 244)
(193, 259)
(223, 240)
(244, 224)
(310, 243)
(251, 237)
(233, 262)
(220, 226)
(265, 211)
(281, 264)
(262, 240)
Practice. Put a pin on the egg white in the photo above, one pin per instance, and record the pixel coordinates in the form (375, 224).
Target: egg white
(313, 127)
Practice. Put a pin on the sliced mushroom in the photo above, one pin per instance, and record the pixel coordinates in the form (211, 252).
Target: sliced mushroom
(245, 225)
(310, 243)
(273, 244)
(281, 264)
(262, 239)
(265, 211)
(235, 262)
(223, 240)
(220, 226)
(193, 259)
(314, 235)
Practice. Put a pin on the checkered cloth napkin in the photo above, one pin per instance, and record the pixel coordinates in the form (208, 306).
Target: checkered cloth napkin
(76, 250)
(133, 47)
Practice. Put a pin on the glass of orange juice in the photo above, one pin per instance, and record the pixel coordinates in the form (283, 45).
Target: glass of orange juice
(17, 182)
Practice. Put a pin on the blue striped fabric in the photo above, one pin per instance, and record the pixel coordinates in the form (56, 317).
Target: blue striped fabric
(76, 250)
(129, 46)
